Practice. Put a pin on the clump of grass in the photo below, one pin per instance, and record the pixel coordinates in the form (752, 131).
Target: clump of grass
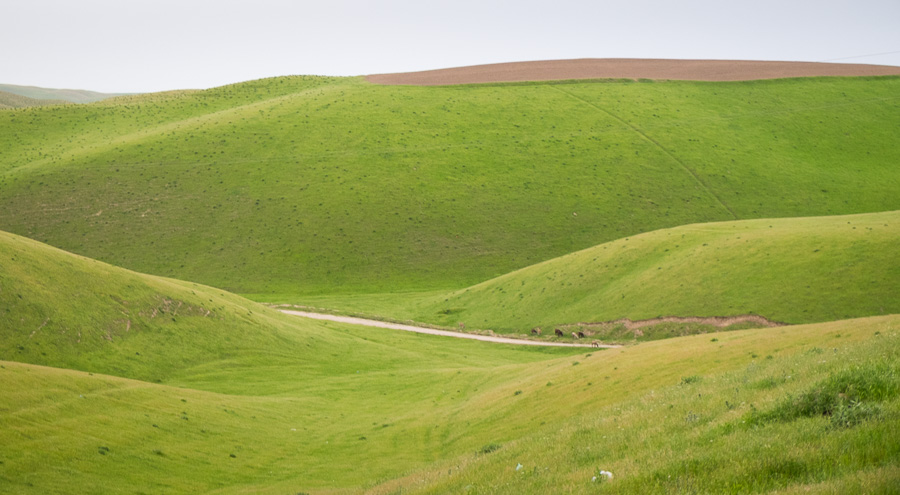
(491, 447)
(845, 396)
(687, 380)
(852, 413)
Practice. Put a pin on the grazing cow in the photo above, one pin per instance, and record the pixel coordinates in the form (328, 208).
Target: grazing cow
(595, 344)
(574, 335)
(558, 332)
(536, 331)
(462, 326)
(580, 335)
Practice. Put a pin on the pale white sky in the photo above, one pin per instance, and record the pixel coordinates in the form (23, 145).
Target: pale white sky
(154, 45)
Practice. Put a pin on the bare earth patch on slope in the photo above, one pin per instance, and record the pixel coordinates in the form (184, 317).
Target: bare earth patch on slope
(612, 68)
(663, 327)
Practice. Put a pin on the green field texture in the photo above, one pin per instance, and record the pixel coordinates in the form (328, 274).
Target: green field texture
(309, 185)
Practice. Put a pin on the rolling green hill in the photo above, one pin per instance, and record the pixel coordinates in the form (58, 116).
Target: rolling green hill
(789, 270)
(310, 185)
(66, 311)
(499, 206)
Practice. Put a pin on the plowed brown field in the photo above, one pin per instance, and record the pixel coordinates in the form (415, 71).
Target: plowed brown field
(610, 68)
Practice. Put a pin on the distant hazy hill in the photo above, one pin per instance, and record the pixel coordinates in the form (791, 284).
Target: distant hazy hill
(10, 100)
(71, 95)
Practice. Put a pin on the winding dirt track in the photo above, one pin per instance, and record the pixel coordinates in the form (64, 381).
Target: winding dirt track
(623, 68)
(409, 328)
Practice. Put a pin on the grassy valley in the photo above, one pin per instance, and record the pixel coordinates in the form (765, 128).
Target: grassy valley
(278, 410)
(136, 230)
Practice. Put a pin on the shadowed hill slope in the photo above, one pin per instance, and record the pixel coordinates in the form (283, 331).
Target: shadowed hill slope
(312, 185)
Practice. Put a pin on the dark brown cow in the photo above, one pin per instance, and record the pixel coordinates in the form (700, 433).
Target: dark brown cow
(580, 335)
(558, 332)
(536, 331)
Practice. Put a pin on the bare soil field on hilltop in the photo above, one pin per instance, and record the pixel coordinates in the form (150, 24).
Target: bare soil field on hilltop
(610, 68)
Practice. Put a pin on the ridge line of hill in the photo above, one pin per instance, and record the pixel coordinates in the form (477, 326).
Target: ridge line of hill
(149, 132)
(634, 69)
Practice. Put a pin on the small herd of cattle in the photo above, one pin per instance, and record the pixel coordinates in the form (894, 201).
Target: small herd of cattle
(559, 333)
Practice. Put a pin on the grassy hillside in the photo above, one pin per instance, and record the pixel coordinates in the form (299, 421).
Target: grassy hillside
(68, 95)
(67, 311)
(315, 185)
(820, 418)
(249, 400)
(664, 416)
(796, 270)
(11, 100)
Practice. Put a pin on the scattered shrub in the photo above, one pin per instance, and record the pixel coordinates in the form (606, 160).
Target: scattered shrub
(491, 447)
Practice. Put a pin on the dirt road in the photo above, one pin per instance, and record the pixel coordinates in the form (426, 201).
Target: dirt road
(409, 328)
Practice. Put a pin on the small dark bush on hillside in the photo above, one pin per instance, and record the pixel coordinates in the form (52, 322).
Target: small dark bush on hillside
(491, 447)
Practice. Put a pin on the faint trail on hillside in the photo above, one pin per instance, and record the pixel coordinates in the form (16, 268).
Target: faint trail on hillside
(459, 335)
(655, 143)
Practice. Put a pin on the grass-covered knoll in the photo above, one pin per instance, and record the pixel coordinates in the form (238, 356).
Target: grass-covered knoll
(793, 270)
(308, 185)
(667, 415)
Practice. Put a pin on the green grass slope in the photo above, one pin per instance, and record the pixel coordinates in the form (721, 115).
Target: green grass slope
(786, 418)
(687, 415)
(795, 270)
(67, 311)
(316, 185)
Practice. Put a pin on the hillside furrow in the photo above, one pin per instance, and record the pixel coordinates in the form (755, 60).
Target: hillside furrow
(655, 143)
